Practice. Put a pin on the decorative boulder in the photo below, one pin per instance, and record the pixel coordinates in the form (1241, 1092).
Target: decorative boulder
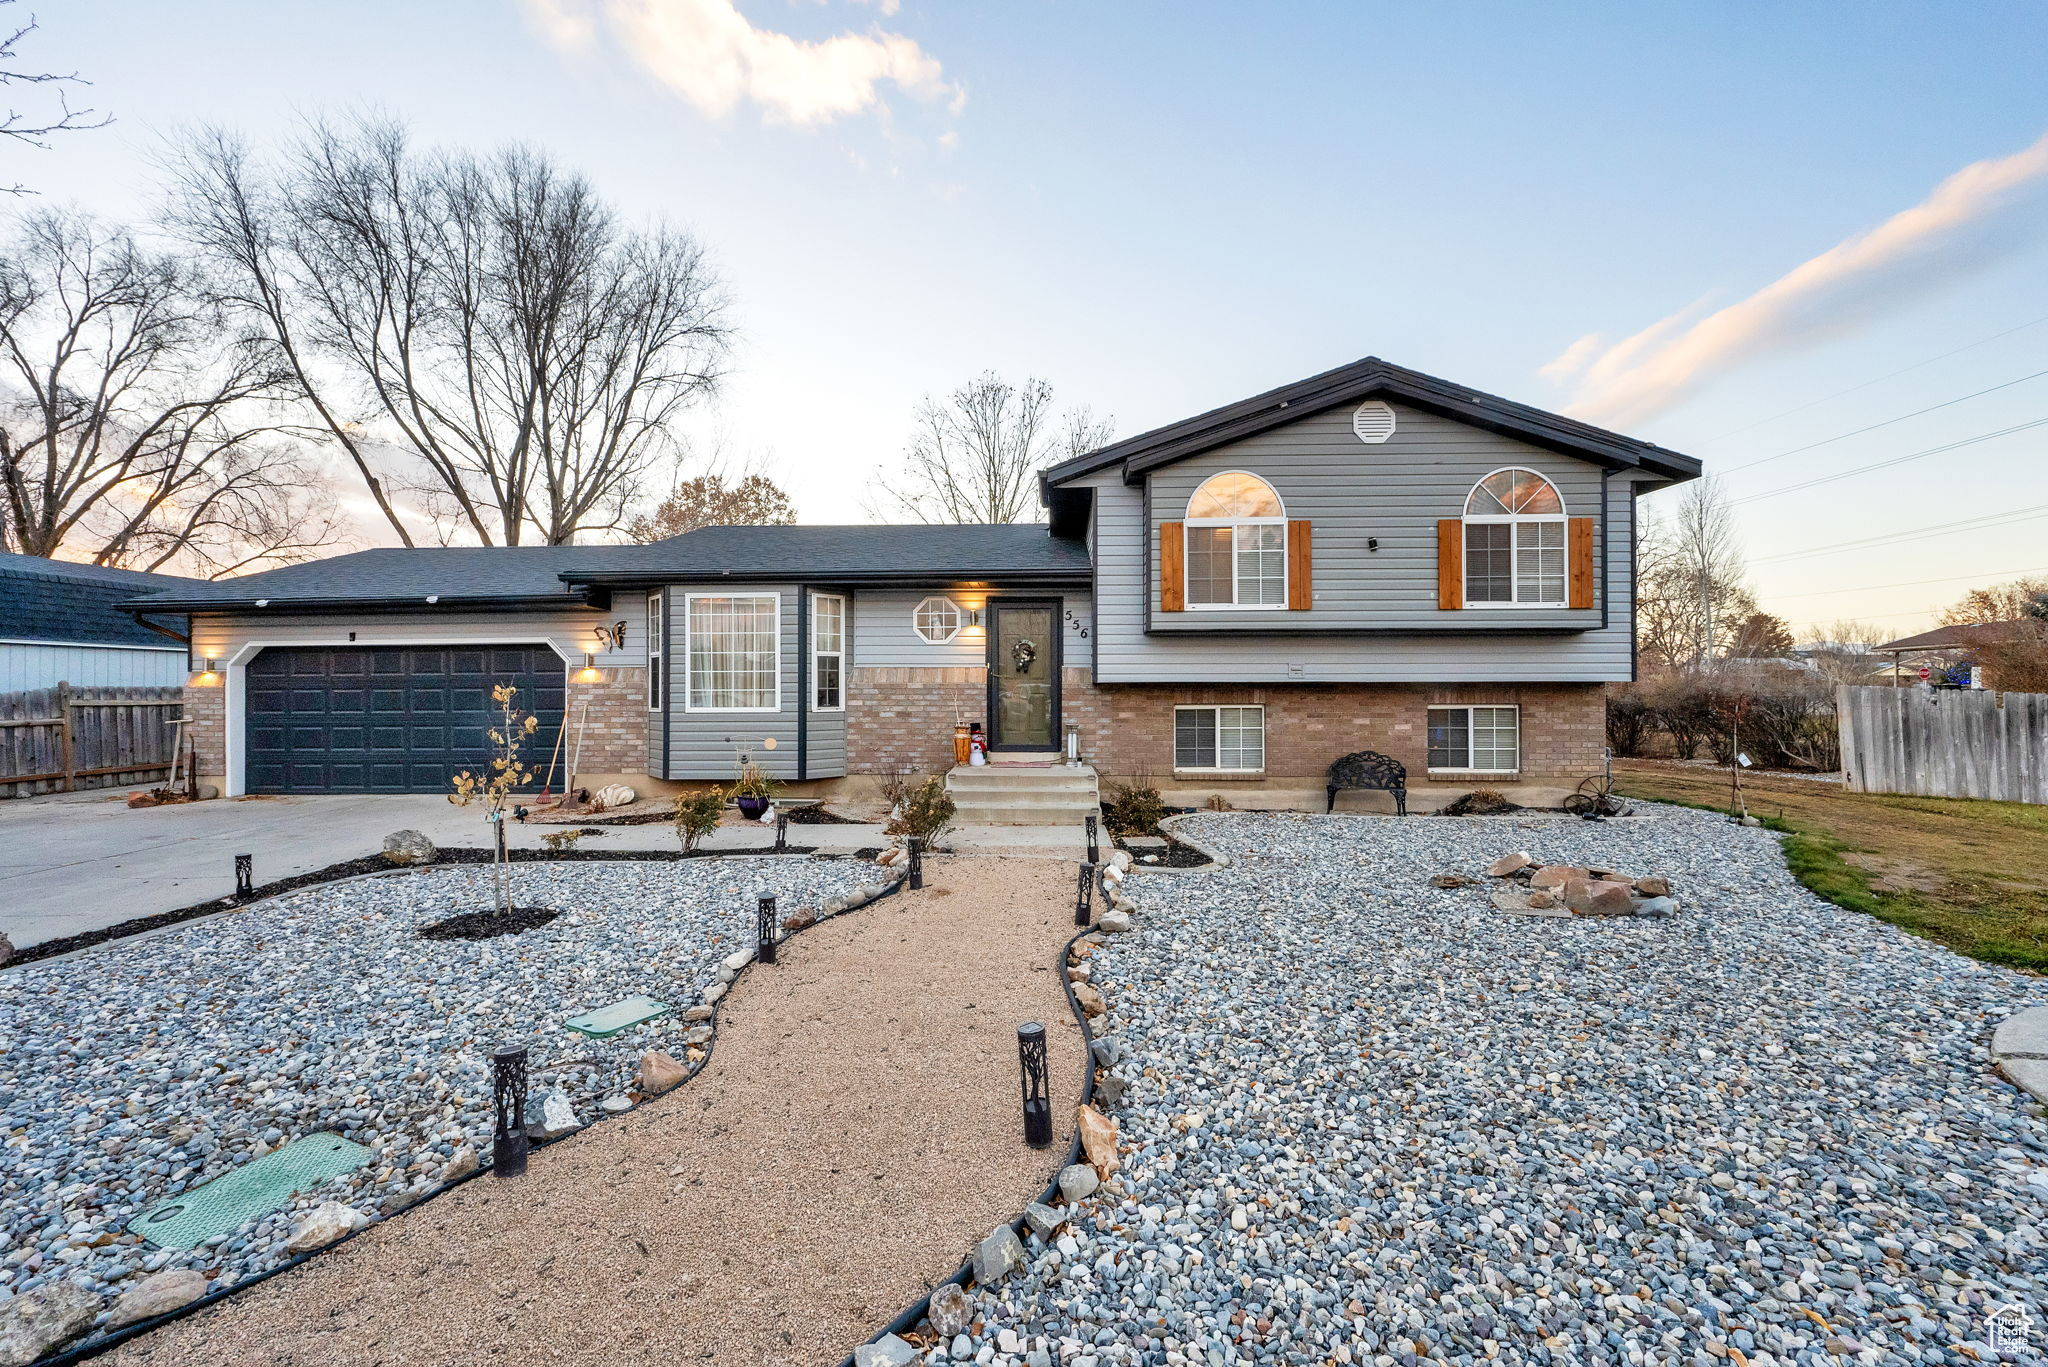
(1043, 1219)
(1556, 876)
(950, 1311)
(1656, 908)
(157, 1295)
(1598, 897)
(407, 848)
(1653, 886)
(1098, 1140)
(1116, 922)
(886, 1351)
(1092, 1004)
(43, 1320)
(550, 1116)
(997, 1256)
(1509, 863)
(659, 1073)
(1452, 880)
(461, 1165)
(1078, 1182)
(327, 1222)
(614, 795)
(6, 948)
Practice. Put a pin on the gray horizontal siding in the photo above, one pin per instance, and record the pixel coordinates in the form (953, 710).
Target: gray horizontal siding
(707, 745)
(568, 629)
(1350, 493)
(32, 665)
(883, 636)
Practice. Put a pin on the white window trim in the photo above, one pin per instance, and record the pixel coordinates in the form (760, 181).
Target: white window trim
(657, 650)
(1179, 708)
(959, 614)
(1562, 517)
(1234, 523)
(1466, 708)
(816, 599)
(689, 692)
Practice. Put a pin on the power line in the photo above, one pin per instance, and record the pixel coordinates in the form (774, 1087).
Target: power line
(1914, 533)
(1844, 436)
(1890, 375)
(1909, 584)
(1895, 460)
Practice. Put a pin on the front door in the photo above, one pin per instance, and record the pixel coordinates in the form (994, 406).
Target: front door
(1023, 674)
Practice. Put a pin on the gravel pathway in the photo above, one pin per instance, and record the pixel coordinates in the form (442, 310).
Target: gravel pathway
(1374, 1122)
(138, 1070)
(854, 1133)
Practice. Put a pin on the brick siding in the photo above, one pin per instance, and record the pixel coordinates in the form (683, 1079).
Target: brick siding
(904, 718)
(206, 712)
(610, 719)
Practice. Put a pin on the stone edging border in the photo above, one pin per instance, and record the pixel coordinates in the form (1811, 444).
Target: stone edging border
(911, 1314)
(891, 881)
(2019, 1049)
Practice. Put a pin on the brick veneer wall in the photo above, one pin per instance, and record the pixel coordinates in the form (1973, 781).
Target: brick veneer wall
(904, 718)
(613, 726)
(1127, 729)
(206, 713)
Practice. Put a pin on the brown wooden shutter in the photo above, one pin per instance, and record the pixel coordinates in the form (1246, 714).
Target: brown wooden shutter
(1173, 567)
(1450, 563)
(1580, 543)
(1301, 588)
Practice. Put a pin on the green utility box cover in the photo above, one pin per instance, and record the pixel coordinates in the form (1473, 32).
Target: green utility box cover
(232, 1199)
(607, 1021)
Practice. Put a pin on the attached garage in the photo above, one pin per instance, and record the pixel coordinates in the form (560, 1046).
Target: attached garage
(390, 719)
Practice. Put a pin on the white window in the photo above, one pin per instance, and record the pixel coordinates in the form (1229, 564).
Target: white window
(734, 655)
(1478, 740)
(828, 652)
(1227, 739)
(657, 637)
(1514, 542)
(937, 620)
(1236, 544)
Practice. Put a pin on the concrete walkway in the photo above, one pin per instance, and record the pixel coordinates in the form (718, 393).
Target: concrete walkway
(80, 862)
(855, 1133)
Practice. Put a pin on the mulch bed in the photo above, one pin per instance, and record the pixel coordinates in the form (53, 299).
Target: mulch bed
(1177, 856)
(485, 925)
(353, 868)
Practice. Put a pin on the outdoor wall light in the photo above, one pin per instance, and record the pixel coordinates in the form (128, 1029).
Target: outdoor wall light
(209, 672)
(588, 674)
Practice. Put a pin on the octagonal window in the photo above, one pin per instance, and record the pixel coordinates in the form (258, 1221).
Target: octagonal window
(937, 620)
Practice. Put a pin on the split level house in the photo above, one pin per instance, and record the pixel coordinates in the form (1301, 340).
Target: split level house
(1368, 559)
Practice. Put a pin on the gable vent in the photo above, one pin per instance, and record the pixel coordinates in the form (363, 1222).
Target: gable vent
(1373, 422)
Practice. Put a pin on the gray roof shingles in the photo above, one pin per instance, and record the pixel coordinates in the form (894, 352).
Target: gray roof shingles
(526, 573)
(56, 600)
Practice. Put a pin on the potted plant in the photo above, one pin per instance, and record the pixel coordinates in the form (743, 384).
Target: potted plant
(753, 790)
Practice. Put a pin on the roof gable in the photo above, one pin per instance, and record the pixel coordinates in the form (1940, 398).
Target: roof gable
(1354, 383)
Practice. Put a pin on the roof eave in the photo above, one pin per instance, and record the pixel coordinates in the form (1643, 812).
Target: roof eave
(275, 604)
(620, 579)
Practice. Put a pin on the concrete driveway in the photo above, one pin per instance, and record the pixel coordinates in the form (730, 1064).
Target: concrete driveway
(82, 861)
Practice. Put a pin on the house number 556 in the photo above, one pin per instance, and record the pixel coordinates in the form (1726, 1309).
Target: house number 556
(1075, 622)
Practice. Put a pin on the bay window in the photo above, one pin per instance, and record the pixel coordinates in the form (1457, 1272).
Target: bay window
(733, 661)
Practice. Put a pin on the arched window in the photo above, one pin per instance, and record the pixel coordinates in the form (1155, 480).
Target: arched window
(1237, 544)
(1514, 541)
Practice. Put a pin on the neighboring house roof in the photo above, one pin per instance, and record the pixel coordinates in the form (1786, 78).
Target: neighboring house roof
(1957, 638)
(57, 600)
(551, 574)
(1354, 383)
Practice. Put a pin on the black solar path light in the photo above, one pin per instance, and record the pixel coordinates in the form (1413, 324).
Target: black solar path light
(1084, 895)
(1037, 1105)
(509, 1143)
(245, 876)
(766, 928)
(781, 833)
(916, 864)
(1094, 848)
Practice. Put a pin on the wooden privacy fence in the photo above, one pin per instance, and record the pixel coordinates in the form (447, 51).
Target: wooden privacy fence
(58, 739)
(1945, 742)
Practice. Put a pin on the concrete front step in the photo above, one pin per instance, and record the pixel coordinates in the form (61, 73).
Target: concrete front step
(995, 795)
(1010, 814)
(1035, 781)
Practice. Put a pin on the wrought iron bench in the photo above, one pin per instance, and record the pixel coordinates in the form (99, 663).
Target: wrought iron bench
(1370, 769)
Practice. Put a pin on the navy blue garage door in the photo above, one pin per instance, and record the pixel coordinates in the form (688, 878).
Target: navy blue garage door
(389, 719)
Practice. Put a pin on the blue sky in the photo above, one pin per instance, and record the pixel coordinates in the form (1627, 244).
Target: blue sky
(1164, 207)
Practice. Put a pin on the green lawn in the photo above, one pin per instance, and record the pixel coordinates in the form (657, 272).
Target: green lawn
(1973, 875)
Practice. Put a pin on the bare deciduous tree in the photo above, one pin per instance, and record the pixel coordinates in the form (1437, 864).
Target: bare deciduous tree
(489, 318)
(975, 457)
(36, 129)
(136, 427)
(709, 501)
(1690, 596)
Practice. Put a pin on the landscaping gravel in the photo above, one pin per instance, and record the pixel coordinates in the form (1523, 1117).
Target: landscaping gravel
(139, 1070)
(1371, 1121)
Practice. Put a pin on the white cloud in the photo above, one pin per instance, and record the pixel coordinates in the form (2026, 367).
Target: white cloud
(1910, 253)
(710, 54)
